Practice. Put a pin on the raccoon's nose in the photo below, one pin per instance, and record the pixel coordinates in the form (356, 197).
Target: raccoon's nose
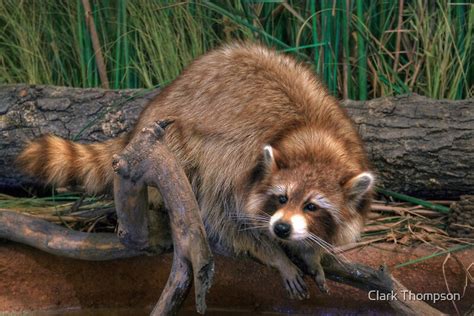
(282, 229)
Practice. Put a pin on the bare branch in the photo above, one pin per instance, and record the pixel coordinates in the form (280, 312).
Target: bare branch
(146, 161)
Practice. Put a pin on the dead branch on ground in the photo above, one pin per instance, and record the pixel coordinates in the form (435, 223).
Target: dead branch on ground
(146, 161)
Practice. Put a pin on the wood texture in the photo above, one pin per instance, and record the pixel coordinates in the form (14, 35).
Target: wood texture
(146, 161)
(369, 279)
(61, 241)
(418, 146)
(86, 115)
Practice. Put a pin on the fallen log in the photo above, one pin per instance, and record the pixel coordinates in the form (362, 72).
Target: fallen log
(418, 146)
(106, 246)
(85, 115)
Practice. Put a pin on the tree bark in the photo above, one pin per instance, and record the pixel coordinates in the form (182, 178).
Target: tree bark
(369, 279)
(418, 146)
(85, 115)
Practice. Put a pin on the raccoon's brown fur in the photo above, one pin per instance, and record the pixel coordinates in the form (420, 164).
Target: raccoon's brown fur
(228, 105)
(62, 162)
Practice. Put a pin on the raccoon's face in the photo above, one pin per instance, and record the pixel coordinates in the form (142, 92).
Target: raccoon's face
(308, 203)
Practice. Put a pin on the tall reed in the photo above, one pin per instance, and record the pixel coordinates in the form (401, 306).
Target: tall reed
(361, 49)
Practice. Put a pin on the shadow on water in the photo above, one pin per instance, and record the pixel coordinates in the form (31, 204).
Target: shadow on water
(210, 312)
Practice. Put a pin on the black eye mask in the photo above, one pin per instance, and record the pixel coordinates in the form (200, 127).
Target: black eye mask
(271, 205)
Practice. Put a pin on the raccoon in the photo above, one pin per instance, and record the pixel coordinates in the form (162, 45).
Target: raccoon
(276, 165)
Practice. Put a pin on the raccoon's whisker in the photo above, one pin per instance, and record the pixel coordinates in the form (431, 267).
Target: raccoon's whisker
(328, 247)
(267, 219)
(261, 228)
(258, 219)
(322, 240)
(310, 238)
(318, 242)
(253, 220)
(249, 218)
(253, 227)
(307, 242)
(339, 257)
(332, 254)
(324, 244)
(255, 224)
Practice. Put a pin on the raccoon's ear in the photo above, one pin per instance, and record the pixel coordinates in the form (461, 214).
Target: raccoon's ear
(270, 156)
(359, 185)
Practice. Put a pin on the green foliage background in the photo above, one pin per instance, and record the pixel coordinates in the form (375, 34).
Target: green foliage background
(362, 49)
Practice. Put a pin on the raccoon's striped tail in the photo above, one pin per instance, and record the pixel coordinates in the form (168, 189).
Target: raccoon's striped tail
(62, 162)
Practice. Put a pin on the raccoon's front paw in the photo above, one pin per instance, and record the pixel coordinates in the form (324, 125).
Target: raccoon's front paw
(320, 280)
(317, 272)
(295, 285)
(310, 263)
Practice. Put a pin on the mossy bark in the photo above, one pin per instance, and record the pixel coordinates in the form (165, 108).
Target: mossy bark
(417, 145)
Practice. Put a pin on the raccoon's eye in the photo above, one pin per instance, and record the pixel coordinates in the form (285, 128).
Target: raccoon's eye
(310, 207)
(282, 199)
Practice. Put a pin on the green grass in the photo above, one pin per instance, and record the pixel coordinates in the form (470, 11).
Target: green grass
(351, 44)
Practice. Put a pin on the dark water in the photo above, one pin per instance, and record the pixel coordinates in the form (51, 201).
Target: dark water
(210, 312)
